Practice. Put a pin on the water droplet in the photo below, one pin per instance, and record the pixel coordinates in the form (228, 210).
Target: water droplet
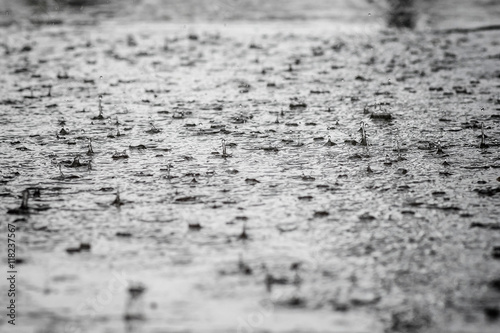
(482, 109)
(100, 77)
(369, 14)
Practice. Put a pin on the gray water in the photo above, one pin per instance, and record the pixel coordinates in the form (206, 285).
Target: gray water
(298, 227)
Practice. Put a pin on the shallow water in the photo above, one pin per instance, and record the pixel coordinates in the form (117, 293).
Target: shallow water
(403, 246)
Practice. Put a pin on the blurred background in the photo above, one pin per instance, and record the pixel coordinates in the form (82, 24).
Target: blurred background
(400, 13)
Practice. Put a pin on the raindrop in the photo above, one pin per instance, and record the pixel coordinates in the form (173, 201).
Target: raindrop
(369, 14)
(100, 77)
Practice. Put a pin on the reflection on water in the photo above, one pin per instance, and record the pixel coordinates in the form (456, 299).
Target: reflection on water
(62, 3)
(34, 8)
(392, 13)
(401, 14)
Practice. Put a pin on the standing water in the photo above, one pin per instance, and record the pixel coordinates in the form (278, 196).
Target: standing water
(232, 166)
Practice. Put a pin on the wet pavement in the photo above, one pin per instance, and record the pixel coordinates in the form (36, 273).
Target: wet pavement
(297, 170)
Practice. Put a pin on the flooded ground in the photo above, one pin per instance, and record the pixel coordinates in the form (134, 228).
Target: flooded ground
(251, 167)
